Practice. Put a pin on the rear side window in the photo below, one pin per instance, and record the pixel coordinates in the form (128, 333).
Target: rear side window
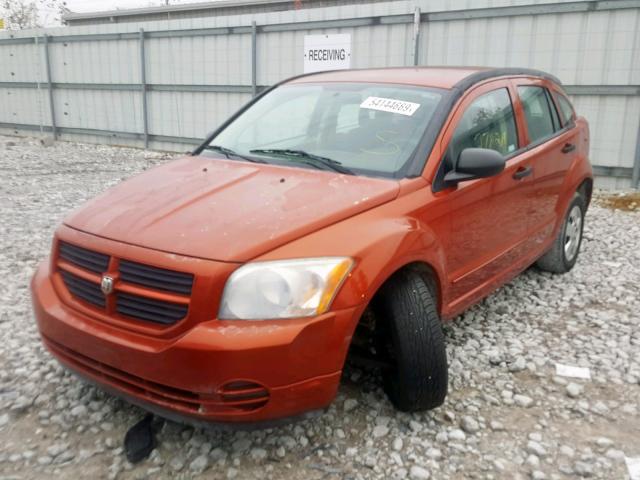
(487, 123)
(565, 108)
(542, 120)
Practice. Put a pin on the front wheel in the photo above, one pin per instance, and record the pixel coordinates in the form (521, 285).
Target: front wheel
(565, 249)
(413, 342)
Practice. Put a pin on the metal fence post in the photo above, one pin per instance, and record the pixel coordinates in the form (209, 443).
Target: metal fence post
(143, 88)
(416, 35)
(635, 174)
(254, 59)
(52, 110)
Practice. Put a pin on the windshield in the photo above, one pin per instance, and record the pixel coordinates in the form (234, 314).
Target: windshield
(345, 127)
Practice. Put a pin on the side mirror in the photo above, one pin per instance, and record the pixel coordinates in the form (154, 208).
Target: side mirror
(475, 163)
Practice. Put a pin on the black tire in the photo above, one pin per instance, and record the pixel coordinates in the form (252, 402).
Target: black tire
(412, 339)
(557, 260)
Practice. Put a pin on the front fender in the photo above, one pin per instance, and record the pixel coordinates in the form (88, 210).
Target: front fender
(394, 245)
(381, 241)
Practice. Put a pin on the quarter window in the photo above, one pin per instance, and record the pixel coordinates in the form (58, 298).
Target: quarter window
(557, 125)
(487, 123)
(565, 108)
(538, 112)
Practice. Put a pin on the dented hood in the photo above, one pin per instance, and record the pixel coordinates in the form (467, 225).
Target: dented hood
(226, 210)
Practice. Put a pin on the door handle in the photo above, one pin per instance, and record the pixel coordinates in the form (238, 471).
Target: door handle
(568, 147)
(522, 172)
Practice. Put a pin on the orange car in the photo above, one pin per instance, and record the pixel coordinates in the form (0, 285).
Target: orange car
(350, 210)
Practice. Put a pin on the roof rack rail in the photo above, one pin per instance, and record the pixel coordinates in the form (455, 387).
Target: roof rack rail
(477, 77)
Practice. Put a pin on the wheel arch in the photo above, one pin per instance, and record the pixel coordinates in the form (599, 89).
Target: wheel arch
(424, 268)
(428, 274)
(586, 189)
(583, 185)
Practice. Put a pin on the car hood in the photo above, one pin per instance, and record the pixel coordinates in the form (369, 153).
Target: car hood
(224, 209)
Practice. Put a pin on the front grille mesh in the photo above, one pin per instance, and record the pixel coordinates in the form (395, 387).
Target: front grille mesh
(83, 289)
(154, 281)
(145, 308)
(83, 258)
(155, 277)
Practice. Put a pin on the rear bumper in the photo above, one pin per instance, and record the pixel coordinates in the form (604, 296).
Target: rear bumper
(218, 371)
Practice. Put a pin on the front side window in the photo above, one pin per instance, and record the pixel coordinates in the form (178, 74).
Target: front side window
(538, 112)
(367, 128)
(487, 123)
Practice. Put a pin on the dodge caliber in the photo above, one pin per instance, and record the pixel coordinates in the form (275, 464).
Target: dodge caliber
(348, 212)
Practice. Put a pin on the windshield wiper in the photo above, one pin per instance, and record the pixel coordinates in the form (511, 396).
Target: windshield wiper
(311, 159)
(227, 152)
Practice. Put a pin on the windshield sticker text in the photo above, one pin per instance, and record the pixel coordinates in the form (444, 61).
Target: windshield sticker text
(390, 105)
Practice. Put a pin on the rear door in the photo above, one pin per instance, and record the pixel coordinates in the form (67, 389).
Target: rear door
(488, 223)
(551, 143)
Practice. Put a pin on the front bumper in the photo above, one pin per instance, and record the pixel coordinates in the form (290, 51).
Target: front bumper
(217, 371)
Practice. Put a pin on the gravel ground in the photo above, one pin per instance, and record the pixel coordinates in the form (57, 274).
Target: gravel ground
(507, 416)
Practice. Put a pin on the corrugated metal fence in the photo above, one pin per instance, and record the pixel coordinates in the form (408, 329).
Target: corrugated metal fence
(166, 85)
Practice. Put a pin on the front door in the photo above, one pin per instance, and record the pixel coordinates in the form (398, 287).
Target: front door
(488, 217)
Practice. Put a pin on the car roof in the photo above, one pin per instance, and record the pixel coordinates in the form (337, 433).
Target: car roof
(436, 77)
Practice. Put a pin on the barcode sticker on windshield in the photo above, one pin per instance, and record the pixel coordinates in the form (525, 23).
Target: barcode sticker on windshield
(390, 105)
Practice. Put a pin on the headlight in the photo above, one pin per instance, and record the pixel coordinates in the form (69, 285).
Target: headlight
(283, 289)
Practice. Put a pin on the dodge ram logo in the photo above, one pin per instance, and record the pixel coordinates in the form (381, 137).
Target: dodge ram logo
(106, 285)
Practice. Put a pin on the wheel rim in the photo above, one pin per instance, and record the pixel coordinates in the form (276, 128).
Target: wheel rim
(572, 233)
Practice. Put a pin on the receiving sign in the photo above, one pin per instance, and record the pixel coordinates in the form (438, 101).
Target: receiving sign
(327, 52)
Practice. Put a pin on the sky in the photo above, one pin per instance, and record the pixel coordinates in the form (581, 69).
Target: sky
(102, 5)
